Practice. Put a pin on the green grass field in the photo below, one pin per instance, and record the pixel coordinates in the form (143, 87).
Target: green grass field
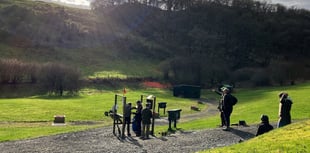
(30, 117)
(294, 138)
(254, 102)
(33, 116)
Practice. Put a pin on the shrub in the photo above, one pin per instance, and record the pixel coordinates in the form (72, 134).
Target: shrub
(57, 78)
(12, 71)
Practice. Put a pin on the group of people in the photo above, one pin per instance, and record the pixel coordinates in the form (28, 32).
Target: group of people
(142, 119)
(285, 106)
(143, 116)
(226, 107)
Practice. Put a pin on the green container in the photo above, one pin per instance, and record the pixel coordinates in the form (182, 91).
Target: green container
(162, 105)
(174, 114)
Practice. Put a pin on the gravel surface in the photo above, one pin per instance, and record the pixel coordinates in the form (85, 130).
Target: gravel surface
(103, 140)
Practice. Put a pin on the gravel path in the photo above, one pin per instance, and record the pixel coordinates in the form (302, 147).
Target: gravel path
(103, 140)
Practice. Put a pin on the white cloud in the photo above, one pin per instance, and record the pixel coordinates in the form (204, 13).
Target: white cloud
(294, 3)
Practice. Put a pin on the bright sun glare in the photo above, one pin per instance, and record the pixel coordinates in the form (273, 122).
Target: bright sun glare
(288, 3)
(74, 2)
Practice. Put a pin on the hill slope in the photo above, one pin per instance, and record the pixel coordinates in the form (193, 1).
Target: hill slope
(292, 138)
(138, 40)
(37, 31)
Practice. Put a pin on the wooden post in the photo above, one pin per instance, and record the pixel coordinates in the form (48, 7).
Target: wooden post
(124, 107)
(114, 116)
(153, 118)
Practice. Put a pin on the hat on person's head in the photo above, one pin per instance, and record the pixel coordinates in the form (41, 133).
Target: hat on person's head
(224, 88)
(282, 93)
(264, 118)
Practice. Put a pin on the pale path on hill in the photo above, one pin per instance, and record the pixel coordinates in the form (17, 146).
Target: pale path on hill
(210, 111)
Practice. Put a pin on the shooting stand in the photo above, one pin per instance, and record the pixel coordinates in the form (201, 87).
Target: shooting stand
(118, 119)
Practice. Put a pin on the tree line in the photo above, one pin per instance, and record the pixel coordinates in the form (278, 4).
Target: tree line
(55, 78)
(205, 42)
(176, 5)
(208, 42)
(164, 4)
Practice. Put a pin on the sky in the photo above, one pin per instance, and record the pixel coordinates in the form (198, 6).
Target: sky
(74, 2)
(289, 3)
(296, 3)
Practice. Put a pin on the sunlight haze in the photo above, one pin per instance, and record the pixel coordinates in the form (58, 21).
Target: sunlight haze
(72, 2)
(288, 3)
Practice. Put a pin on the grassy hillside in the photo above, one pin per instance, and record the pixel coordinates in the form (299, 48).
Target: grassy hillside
(252, 103)
(187, 46)
(291, 138)
(44, 32)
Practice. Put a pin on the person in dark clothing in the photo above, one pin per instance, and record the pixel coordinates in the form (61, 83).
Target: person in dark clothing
(285, 106)
(264, 126)
(227, 108)
(138, 118)
(219, 107)
(146, 121)
(127, 117)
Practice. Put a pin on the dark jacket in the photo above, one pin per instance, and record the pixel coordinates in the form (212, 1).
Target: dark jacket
(127, 110)
(139, 111)
(286, 105)
(227, 103)
(263, 128)
(146, 116)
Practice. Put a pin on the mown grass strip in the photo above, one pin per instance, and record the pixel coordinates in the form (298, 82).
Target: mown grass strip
(289, 139)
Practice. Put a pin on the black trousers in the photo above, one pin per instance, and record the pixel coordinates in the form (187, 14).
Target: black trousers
(223, 122)
(227, 114)
(127, 123)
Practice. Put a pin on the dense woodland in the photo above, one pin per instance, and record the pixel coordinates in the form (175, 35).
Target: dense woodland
(213, 41)
(202, 42)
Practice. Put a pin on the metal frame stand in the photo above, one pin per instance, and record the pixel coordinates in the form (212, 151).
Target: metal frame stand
(118, 118)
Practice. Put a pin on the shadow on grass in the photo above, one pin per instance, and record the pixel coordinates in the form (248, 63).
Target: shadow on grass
(35, 91)
(52, 97)
(243, 134)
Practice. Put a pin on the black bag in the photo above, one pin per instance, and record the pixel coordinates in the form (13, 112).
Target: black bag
(234, 100)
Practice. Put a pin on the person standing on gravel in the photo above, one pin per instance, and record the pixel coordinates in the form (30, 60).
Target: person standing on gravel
(227, 107)
(219, 107)
(264, 126)
(146, 121)
(285, 106)
(138, 118)
(127, 117)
